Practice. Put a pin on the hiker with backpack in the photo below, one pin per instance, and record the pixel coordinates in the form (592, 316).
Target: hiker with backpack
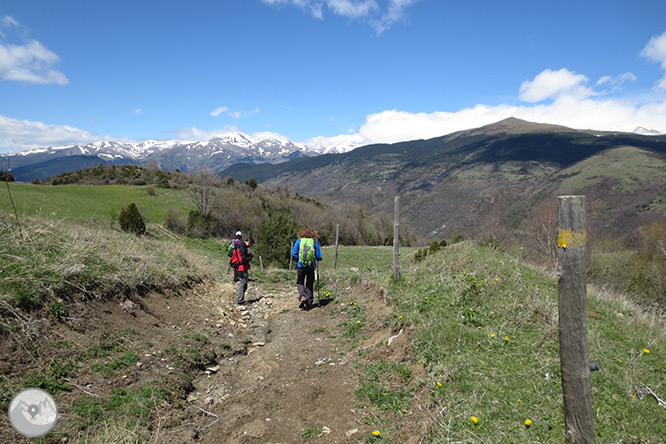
(240, 261)
(307, 252)
(233, 245)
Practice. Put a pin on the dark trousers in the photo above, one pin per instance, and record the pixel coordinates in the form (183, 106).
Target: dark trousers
(305, 278)
(242, 285)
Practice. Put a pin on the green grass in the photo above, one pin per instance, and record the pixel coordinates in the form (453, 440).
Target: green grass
(364, 259)
(55, 258)
(485, 328)
(99, 202)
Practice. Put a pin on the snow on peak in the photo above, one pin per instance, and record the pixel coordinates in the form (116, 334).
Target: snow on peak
(647, 132)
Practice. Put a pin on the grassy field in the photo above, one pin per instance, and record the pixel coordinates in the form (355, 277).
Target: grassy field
(99, 202)
(485, 328)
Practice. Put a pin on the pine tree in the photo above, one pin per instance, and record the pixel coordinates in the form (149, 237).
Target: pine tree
(131, 221)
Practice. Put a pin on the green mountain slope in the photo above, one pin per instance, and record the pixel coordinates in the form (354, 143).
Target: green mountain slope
(472, 181)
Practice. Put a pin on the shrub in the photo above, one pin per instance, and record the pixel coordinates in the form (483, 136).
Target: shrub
(274, 238)
(201, 225)
(131, 221)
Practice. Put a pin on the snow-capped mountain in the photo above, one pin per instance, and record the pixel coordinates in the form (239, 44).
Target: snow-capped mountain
(646, 131)
(217, 154)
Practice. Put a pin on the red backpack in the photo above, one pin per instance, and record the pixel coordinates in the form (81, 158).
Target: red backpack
(235, 259)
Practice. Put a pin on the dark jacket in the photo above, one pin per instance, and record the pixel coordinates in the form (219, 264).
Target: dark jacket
(246, 257)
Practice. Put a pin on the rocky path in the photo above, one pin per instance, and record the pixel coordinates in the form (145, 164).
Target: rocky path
(294, 381)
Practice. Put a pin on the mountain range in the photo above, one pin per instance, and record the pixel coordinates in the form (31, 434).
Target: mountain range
(187, 156)
(498, 180)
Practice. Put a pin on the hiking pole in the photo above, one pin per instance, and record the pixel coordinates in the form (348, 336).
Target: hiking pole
(318, 286)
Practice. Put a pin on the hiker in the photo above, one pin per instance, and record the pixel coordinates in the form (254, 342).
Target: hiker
(244, 268)
(306, 250)
(235, 243)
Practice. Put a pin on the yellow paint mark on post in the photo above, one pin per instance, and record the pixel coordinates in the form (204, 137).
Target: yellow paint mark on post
(571, 239)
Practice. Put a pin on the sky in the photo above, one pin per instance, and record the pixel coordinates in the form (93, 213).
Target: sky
(322, 72)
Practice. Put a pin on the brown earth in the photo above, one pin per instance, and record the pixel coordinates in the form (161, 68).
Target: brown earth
(263, 373)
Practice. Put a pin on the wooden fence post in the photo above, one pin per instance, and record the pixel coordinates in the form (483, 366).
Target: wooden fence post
(572, 290)
(290, 256)
(396, 240)
(337, 238)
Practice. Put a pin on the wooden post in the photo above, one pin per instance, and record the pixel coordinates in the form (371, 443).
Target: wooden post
(396, 240)
(572, 289)
(337, 239)
(290, 256)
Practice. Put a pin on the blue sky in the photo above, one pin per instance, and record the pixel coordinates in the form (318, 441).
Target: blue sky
(323, 71)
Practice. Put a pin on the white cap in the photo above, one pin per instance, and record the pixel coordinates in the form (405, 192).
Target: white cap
(238, 233)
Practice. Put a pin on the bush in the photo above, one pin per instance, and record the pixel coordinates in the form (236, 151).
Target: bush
(200, 225)
(131, 221)
(274, 238)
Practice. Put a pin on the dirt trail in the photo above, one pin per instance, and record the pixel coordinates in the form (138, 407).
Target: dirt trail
(295, 376)
(266, 372)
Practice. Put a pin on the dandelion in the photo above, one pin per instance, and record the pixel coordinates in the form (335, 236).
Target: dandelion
(492, 335)
(400, 317)
(376, 433)
(439, 384)
(358, 322)
(474, 419)
(646, 351)
(478, 344)
(528, 423)
(619, 360)
(506, 338)
(426, 298)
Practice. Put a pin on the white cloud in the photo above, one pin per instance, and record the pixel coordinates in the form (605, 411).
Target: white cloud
(137, 111)
(570, 103)
(616, 83)
(20, 135)
(370, 11)
(655, 51)
(219, 110)
(352, 9)
(551, 84)
(393, 14)
(28, 61)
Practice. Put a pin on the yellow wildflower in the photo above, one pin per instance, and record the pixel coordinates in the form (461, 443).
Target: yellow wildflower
(492, 335)
(646, 350)
(377, 433)
(439, 384)
(528, 422)
(474, 419)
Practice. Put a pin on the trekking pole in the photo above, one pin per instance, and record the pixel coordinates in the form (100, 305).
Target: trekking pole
(318, 286)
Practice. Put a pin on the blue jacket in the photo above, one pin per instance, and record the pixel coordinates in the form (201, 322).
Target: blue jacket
(297, 246)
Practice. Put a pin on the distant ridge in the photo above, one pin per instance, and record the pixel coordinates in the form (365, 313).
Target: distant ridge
(506, 171)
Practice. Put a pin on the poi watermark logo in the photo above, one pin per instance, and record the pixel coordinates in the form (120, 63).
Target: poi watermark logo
(33, 412)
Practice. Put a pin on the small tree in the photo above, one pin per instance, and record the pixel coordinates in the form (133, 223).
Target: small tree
(131, 221)
(274, 238)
